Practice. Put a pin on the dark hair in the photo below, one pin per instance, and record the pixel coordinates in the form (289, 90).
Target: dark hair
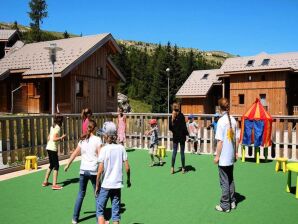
(85, 112)
(112, 139)
(87, 136)
(58, 119)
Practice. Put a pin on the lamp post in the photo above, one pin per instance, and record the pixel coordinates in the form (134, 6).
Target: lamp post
(52, 52)
(168, 72)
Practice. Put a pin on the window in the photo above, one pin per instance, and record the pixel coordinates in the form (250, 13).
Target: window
(266, 61)
(263, 99)
(205, 76)
(263, 78)
(82, 88)
(100, 72)
(111, 91)
(79, 88)
(241, 98)
(250, 63)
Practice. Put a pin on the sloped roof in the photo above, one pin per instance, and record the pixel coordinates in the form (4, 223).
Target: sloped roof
(284, 61)
(5, 35)
(198, 83)
(34, 58)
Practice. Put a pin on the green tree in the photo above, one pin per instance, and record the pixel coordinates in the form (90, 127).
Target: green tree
(38, 11)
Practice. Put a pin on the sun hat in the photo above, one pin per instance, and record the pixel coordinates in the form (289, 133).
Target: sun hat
(108, 128)
(153, 121)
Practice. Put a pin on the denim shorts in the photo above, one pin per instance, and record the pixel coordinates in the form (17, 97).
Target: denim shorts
(102, 199)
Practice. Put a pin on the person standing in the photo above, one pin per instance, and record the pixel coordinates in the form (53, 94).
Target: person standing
(178, 127)
(121, 126)
(86, 117)
(226, 154)
(89, 149)
(52, 149)
(109, 175)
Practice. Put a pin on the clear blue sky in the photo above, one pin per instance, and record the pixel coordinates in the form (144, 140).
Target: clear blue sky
(243, 27)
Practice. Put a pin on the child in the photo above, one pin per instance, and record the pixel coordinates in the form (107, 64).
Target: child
(52, 149)
(153, 132)
(192, 128)
(86, 116)
(214, 126)
(109, 179)
(89, 148)
(121, 126)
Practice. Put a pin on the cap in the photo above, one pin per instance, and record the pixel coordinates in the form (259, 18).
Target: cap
(108, 128)
(153, 121)
(191, 116)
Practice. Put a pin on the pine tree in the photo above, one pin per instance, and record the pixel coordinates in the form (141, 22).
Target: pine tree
(38, 11)
(15, 26)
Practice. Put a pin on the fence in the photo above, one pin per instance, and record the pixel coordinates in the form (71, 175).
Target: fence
(27, 135)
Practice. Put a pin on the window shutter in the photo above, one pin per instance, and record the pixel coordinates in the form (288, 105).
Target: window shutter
(86, 88)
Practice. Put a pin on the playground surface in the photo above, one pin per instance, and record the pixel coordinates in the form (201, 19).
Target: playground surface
(156, 196)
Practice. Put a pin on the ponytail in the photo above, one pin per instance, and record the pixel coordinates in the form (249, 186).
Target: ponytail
(225, 106)
(87, 136)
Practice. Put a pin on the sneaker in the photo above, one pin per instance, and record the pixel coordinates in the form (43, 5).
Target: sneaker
(44, 184)
(152, 164)
(56, 187)
(183, 171)
(160, 163)
(74, 222)
(172, 170)
(233, 205)
(220, 209)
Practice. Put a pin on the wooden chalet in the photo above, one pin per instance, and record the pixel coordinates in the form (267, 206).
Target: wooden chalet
(273, 78)
(85, 76)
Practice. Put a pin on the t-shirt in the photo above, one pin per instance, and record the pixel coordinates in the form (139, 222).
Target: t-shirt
(227, 155)
(154, 136)
(192, 128)
(112, 156)
(89, 156)
(53, 145)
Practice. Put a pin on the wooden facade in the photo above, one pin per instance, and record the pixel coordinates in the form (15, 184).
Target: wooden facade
(92, 83)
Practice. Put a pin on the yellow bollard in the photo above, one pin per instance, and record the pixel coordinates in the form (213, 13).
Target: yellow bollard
(243, 153)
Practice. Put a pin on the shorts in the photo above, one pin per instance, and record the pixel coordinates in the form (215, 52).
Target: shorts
(53, 159)
(153, 149)
(192, 139)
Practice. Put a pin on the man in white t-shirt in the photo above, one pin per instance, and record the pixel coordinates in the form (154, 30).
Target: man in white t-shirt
(227, 137)
(109, 176)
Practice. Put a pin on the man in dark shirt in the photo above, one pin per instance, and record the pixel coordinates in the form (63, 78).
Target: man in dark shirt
(178, 127)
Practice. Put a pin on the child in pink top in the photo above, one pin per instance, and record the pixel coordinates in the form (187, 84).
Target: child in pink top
(121, 126)
(86, 116)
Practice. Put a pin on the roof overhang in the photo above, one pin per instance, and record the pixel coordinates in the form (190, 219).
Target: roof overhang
(228, 73)
(114, 67)
(189, 96)
(42, 76)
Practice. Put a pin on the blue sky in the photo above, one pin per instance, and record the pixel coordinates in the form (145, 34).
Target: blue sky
(238, 27)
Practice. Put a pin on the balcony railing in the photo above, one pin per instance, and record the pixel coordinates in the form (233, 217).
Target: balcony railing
(27, 135)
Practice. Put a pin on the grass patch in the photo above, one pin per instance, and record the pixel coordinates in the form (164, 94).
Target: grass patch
(140, 107)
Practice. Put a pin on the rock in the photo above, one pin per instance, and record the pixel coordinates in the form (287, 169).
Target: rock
(123, 102)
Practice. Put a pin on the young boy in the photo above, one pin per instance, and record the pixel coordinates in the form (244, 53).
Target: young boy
(153, 132)
(109, 179)
(192, 128)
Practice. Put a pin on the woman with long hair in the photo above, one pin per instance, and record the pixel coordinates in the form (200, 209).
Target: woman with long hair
(89, 149)
(226, 156)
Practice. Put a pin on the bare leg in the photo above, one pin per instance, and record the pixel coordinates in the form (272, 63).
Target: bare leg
(116, 222)
(55, 176)
(101, 220)
(48, 173)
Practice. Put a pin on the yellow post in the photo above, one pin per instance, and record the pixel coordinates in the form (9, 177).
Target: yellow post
(284, 166)
(257, 155)
(243, 153)
(288, 189)
(277, 166)
(297, 187)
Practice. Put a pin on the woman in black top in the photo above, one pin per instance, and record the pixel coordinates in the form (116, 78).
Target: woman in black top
(179, 130)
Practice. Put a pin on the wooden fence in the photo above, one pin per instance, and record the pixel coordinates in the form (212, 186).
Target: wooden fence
(27, 135)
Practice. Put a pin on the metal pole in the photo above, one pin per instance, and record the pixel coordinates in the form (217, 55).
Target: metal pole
(53, 89)
(168, 93)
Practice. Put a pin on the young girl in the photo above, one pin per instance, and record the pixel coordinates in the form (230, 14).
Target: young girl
(227, 144)
(153, 132)
(121, 126)
(89, 148)
(192, 128)
(52, 149)
(86, 116)
(109, 176)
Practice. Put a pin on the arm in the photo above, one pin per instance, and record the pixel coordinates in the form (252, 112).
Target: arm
(218, 151)
(56, 137)
(72, 157)
(127, 168)
(98, 178)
